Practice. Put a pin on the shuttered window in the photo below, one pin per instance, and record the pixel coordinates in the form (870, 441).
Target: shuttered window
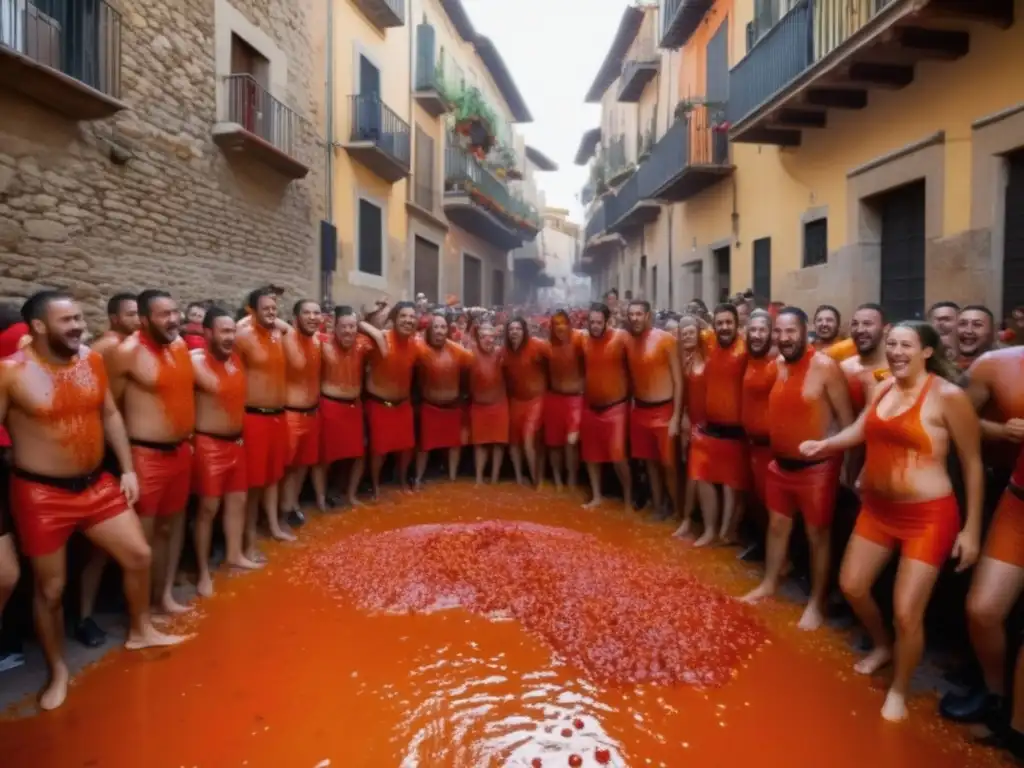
(815, 242)
(427, 269)
(371, 239)
(472, 281)
(498, 288)
(763, 269)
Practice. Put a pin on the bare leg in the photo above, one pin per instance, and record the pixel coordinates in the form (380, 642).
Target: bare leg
(355, 474)
(732, 505)
(516, 452)
(820, 541)
(914, 583)
(497, 459)
(9, 570)
(671, 475)
(994, 591)
(454, 454)
(657, 490)
(159, 532)
(532, 452)
(376, 462)
(594, 474)
(779, 529)
(50, 573)
(555, 455)
(708, 495)
(404, 460)
(270, 509)
(202, 533)
(234, 524)
(91, 577)
(319, 475)
(480, 462)
(294, 480)
(626, 480)
(175, 542)
(252, 516)
(422, 457)
(689, 507)
(572, 461)
(862, 564)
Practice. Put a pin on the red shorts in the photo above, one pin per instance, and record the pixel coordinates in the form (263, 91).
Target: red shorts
(46, 515)
(1005, 540)
(760, 458)
(562, 417)
(303, 428)
(441, 427)
(925, 530)
(392, 429)
(266, 448)
(648, 433)
(603, 434)
(218, 466)
(5, 438)
(524, 419)
(342, 432)
(719, 460)
(489, 424)
(811, 491)
(164, 479)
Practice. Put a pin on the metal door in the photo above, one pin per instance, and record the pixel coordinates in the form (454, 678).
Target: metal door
(426, 268)
(903, 249)
(763, 269)
(1013, 236)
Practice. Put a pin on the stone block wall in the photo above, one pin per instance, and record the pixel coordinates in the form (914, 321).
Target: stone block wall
(180, 214)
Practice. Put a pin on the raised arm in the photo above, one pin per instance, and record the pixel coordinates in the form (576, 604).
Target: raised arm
(376, 336)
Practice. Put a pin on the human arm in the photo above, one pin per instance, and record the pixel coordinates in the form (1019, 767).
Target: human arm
(838, 393)
(118, 362)
(205, 379)
(676, 369)
(376, 336)
(117, 437)
(290, 344)
(965, 431)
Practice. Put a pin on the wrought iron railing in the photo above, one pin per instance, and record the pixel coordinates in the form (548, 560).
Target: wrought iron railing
(463, 173)
(250, 105)
(596, 224)
(614, 156)
(376, 122)
(80, 38)
(835, 21)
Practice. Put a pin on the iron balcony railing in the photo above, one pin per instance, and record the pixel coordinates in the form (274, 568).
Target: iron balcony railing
(464, 174)
(375, 122)
(615, 156)
(251, 106)
(643, 53)
(80, 38)
(784, 50)
(597, 224)
(698, 138)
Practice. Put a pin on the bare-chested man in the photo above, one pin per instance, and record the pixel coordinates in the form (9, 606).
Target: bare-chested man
(868, 367)
(152, 378)
(56, 403)
(758, 379)
(975, 334)
(808, 401)
(440, 372)
(526, 365)
(219, 463)
(652, 357)
(943, 315)
(123, 316)
(260, 343)
(605, 419)
(827, 324)
(342, 429)
(303, 354)
(488, 405)
(563, 403)
(388, 388)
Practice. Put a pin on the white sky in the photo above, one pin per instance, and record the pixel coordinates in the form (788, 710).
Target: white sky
(553, 49)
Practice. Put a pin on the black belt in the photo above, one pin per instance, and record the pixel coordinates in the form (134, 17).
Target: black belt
(645, 404)
(796, 465)
(342, 400)
(1016, 491)
(237, 438)
(607, 406)
(304, 411)
(156, 446)
(445, 406)
(77, 484)
(723, 431)
(386, 403)
(257, 410)
(761, 441)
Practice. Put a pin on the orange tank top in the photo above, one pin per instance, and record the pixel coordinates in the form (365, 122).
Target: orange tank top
(894, 443)
(758, 380)
(696, 395)
(794, 419)
(857, 396)
(724, 372)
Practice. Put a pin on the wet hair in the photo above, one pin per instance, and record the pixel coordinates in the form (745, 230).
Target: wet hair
(146, 299)
(726, 306)
(344, 310)
(938, 363)
(253, 301)
(796, 312)
(827, 308)
(639, 303)
(526, 329)
(602, 308)
(297, 307)
(115, 302)
(197, 305)
(397, 309)
(700, 303)
(240, 313)
(212, 315)
(944, 305)
(979, 308)
(36, 305)
(687, 320)
(562, 313)
(874, 308)
(757, 313)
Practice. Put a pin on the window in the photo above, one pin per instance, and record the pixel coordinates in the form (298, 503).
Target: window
(498, 288)
(423, 191)
(472, 281)
(763, 269)
(371, 239)
(815, 242)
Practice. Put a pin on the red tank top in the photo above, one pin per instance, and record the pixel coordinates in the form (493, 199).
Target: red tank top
(794, 419)
(696, 396)
(894, 443)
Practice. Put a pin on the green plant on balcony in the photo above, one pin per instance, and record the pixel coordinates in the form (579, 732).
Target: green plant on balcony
(503, 162)
(474, 119)
(685, 106)
(598, 175)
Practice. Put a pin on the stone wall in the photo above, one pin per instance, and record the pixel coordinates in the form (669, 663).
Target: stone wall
(180, 214)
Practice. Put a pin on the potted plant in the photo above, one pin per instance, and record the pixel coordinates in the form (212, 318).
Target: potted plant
(685, 107)
(474, 119)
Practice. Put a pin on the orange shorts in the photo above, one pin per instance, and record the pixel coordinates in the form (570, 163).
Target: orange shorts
(648, 433)
(47, 511)
(218, 467)
(1005, 539)
(603, 433)
(392, 429)
(760, 457)
(524, 419)
(265, 435)
(165, 475)
(342, 431)
(811, 491)
(441, 426)
(719, 460)
(925, 530)
(303, 426)
(489, 423)
(562, 417)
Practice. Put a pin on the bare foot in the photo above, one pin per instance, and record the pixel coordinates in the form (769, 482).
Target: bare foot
(171, 607)
(758, 594)
(354, 502)
(705, 538)
(245, 564)
(594, 503)
(56, 690)
(418, 485)
(878, 659)
(256, 556)
(282, 534)
(151, 638)
(812, 619)
(895, 708)
(683, 530)
(204, 587)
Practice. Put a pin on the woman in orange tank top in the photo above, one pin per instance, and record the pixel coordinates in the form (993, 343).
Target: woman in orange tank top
(692, 353)
(907, 497)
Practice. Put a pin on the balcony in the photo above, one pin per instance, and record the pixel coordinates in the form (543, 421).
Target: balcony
(631, 207)
(64, 54)
(476, 201)
(259, 126)
(639, 68)
(383, 14)
(691, 156)
(429, 89)
(828, 54)
(378, 138)
(616, 167)
(680, 20)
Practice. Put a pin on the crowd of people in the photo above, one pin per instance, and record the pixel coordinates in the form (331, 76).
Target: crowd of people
(737, 419)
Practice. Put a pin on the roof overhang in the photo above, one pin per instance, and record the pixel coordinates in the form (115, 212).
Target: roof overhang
(629, 27)
(540, 161)
(588, 145)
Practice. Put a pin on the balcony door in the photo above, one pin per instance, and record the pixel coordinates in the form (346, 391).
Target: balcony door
(498, 288)
(426, 269)
(368, 116)
(472, 281)
(1013, 235)
(903, 251)
(247, 93)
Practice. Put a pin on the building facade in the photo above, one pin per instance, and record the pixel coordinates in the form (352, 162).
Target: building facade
(860, 151)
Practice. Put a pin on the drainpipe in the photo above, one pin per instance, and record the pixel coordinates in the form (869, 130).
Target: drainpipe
(327, 277)
(671, 208)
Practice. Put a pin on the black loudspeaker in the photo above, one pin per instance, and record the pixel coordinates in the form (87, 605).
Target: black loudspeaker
(328, 247)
